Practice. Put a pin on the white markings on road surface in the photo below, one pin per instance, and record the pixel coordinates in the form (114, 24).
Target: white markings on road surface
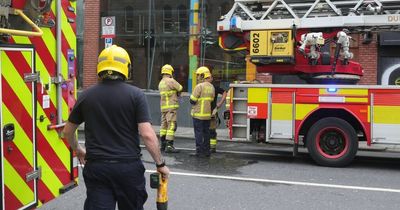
(347, 187)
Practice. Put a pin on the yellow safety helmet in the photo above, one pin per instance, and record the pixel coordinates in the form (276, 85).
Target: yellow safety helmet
(167, 69)
(114, 59)
(202, 70)
(207, 75)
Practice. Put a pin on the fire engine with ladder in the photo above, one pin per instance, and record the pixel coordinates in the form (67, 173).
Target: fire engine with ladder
(37, 91)
(330, 115)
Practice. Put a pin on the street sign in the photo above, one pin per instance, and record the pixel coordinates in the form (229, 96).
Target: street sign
(108, 27)
(108, 42)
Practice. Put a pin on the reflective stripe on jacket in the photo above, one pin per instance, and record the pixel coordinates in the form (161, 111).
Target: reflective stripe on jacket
(228, 100)
(203, 94)
(169, 89)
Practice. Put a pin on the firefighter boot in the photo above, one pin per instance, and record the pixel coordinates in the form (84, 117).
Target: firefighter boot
(170, 147)
(163, 143)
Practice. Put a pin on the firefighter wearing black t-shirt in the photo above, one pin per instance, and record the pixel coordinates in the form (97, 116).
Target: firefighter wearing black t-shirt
(215, 121)
(114, 113)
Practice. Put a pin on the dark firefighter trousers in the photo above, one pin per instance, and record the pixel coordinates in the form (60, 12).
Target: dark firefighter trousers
(202, 135)
(111, 182)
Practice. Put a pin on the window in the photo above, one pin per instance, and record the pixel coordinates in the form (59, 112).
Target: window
(129, 24)
(182, 19)
(167, 19)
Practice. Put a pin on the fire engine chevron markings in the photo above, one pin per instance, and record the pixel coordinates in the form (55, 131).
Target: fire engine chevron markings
(347, 187)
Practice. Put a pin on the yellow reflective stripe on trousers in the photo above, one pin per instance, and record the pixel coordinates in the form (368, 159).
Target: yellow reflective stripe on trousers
(163, 132)
(171, 129)
(170, 106)
(213, 141)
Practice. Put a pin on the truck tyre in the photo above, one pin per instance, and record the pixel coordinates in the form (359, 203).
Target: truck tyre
(332, 142)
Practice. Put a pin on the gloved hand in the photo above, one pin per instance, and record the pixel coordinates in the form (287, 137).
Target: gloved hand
(214, 112)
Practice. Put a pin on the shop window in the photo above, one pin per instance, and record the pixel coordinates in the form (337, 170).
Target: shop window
(129, 19)
(167, 19)
(183, 19)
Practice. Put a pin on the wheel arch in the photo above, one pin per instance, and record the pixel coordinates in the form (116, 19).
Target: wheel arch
(340, 113)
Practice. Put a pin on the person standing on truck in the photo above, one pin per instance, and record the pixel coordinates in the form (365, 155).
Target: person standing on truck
(170, 90)
(114, 113)
(201, 98)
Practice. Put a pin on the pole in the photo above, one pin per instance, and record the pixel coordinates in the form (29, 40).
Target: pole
(194, 50)
(148, 36)
(58, 76)
(150, 78)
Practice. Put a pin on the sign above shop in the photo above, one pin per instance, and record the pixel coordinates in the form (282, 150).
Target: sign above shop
(108, 27)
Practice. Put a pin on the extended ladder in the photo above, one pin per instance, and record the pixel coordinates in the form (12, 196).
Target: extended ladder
(247, 15)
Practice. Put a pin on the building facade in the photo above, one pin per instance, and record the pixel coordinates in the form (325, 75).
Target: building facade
(183, 33)
(156, 33)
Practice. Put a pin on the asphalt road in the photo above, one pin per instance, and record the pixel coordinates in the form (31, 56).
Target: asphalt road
(255, 176)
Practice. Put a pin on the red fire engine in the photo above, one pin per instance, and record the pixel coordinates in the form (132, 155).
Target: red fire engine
(311, 39)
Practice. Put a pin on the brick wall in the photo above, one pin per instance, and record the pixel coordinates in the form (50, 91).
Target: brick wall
(91, 42)
(368, 58)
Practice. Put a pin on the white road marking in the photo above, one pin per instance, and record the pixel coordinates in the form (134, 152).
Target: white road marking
(347, 187)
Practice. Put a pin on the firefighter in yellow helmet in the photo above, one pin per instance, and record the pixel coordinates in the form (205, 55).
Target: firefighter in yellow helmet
(201, 98)
(200, 73)
(115, 113)
(170, 90)
(215, 120)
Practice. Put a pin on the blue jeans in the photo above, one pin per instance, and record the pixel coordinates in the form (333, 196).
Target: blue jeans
(202, 135)
(108, 183)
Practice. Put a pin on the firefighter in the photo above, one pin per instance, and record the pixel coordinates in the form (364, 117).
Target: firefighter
(215, 120)
(201, 98)
(170, 90)
(115, 114)
(227, 107)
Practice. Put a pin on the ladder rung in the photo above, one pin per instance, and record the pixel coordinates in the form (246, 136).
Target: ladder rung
(239, 139)
(239, 112)
(239, 99)
(239, 125)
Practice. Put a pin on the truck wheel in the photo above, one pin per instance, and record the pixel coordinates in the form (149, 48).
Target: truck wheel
(332, 142)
